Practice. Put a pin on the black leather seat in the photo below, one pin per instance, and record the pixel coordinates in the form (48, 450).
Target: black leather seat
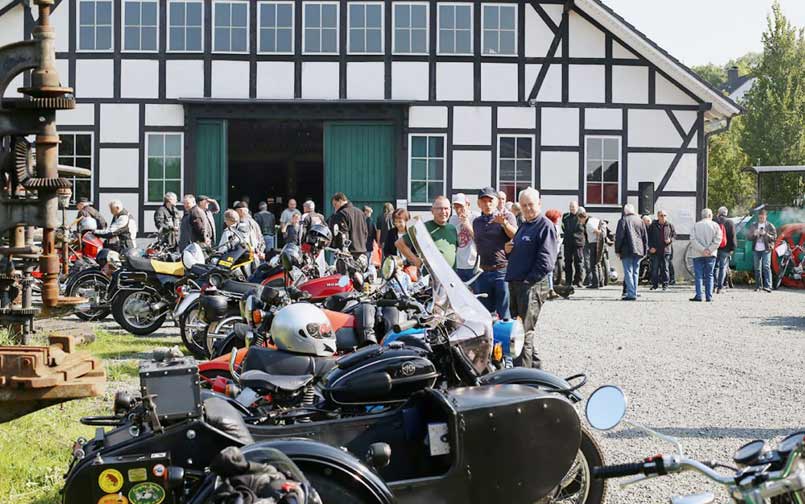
(140, 263)
(243, 288)
(224, 417)
(262, 382)
(284, 363)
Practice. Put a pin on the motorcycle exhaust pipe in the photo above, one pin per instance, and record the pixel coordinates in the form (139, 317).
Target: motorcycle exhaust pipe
(158, 307)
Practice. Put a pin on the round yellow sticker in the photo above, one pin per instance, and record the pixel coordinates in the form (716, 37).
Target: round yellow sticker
(110, 480)
(113, 499)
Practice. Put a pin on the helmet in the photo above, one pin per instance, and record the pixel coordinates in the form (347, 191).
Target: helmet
(214, 306)
(319, 236)
(613, 274)
(290, 256)
(305, 329)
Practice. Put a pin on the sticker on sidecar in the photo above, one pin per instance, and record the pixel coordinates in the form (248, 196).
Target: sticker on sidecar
(113, 499)
(110, 480)
(138, 474)
(146, 493)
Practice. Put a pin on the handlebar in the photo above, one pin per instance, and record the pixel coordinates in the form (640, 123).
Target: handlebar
(404, 326)
(619, 470)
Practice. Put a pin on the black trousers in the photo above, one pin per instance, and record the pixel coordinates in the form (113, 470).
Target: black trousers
(593, 265)
(659, 269)
(525, 301)
(574, 258)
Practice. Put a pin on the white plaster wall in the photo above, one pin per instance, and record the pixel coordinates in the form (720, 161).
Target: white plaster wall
(94, 78)
(587, 83)
(647, 167)
(60, 20)
(669, 94)
(472, 126)
(12, 25)
(472, 169)
(409, 80)
(498, 82)
(454, 81)
(560, 126)
(554, 11)
(147, 226)
(551, 90)
(275, 79)
(559, 170)
(603, 118)
(629, 84)
(184, 79)
(559, 202)
(427, 117)
(164, 115)
(11, 90)
(139, 79)
(82, 115)
(620, 52)
(684, 177)
(365, 80)
(687, 118)
(63, 68)
(131, 202)
(230, 79)
(120, 122)
(319, 80)
(538, 36)
(652, 128)
(586, 41)
(517, 117)
(681, 213)
(119, 168)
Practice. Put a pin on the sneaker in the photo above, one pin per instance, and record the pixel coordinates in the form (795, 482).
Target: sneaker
(767, 289)
(696, 299)
(653, 287)
(628, 299)
(718, 290)
(757, 289)
(664, 287)
(708, 300)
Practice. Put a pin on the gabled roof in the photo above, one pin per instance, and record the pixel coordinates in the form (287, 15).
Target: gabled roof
(723, 107)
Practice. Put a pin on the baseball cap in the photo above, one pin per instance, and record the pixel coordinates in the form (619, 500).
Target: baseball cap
(83, 199)
(202, 197)
(460, 198)
(487, 192)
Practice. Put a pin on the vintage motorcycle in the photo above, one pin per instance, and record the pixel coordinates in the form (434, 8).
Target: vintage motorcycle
(761, 476)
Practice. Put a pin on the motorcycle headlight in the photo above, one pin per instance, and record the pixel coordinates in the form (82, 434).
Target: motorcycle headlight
(516, 339)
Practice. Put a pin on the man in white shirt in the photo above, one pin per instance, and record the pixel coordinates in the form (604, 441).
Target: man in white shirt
(704, 242)
(591, 234)
(466, 254)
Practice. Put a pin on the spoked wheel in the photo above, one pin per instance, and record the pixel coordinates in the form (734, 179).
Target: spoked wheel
(194, 332)
(689, 260)
(92, 287)
(132, 310)
(578, 486)
(788, 268)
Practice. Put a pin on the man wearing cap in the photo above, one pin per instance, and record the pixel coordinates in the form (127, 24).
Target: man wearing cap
(210, 207)
(492, 230)
(85, 209)
(462, 218)
(443, 233)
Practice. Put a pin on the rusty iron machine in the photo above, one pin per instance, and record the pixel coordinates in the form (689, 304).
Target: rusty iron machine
(32, 377)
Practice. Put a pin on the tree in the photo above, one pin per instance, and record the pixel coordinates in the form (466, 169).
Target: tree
(774, 123)
(728, 184)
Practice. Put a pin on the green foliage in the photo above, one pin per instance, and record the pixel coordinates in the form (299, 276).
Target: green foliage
(728, 184)
(774, 132)
(717, 74)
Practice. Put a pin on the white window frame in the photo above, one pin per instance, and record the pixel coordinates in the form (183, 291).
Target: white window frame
(533, 156)
(169, 26)
(382, 28)
(439, 6)
(72, 178)
(394, 28)
(620, 171)
(498, 6)
(411, 136)
(260, 27)
(145, 164)
(139, 27)
(78, 29)
(337, 28)
(214, 26)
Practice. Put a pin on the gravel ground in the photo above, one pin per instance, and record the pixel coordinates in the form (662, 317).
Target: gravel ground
(716, 375)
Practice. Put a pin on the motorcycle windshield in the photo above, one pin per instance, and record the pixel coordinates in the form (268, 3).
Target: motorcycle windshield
(453, 299)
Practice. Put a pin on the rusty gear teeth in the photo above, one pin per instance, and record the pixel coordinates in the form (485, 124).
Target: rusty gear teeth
(23, 160)
(52, 183)
(48, 102)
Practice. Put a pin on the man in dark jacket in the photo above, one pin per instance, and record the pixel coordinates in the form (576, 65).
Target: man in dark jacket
(726, 250)
(351, 224)
(85, 209)
(661, 234)
(631, 244)
(267, 223)
(193, 228)
(532, 255)
(573, 232)
(166, 220)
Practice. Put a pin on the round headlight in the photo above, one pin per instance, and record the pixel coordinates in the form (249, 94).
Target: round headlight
(516, 339)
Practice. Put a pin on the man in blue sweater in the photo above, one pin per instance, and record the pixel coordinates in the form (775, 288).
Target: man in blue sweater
(532, 255)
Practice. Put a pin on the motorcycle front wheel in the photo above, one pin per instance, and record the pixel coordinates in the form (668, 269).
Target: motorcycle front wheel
(93, 286)
(578, 485)
(194, 332)
(132, 310)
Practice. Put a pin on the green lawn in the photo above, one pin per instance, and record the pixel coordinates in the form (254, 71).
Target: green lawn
(35, 449)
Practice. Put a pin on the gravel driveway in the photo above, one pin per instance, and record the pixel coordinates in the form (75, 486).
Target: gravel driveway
(716, 375)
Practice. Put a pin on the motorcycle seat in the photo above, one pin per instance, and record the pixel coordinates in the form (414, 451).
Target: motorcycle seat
(261, 382)
(224, 417)
(168, 268)
(140, 263)
(236, 287)
(277, 362)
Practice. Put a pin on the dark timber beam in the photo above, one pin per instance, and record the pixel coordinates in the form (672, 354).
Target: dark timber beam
(677, 158)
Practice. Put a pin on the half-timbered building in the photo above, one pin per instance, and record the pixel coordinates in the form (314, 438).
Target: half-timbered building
(389, 100)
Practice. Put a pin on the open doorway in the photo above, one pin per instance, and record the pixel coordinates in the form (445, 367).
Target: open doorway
(276, 159)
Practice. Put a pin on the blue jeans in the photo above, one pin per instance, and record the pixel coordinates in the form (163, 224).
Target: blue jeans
(493, 284)
(631, 270)
(763, 269)
(269, 239)
(722, 268)
(549, 277)
(703, 270)
(465, 275)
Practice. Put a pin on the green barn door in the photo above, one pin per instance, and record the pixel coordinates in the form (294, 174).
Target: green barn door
(359, 161)
(211, 163)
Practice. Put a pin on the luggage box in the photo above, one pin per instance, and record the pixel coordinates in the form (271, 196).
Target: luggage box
(175, 385)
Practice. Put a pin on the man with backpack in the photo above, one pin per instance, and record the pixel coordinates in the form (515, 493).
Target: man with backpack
(725, 250)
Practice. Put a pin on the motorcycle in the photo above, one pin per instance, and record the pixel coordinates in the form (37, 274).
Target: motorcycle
(762, 476)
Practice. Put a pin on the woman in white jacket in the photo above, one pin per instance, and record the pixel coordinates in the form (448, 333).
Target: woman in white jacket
(704, 242)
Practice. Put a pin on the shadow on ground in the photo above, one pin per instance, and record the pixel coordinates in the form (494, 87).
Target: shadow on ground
(707, 432)
(788, 322)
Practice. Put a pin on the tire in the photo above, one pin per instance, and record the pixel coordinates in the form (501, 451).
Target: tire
(578, 486)
(778, 277)
(81, 284)
(194, 336)
(122, 312)
(688, 258)
(333, 491)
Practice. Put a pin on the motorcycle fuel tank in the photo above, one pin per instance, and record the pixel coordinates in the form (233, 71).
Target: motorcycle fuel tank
(379, 375)
(321, 288)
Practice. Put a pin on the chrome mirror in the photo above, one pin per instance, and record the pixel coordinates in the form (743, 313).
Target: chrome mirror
(387, 270)
(606, 407)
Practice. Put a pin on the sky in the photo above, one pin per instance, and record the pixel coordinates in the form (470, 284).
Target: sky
(705, 31)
